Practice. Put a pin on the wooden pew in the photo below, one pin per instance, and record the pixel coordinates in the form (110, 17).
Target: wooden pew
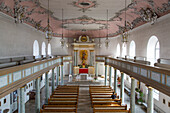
(58, 111)
(110, 111)
(124, 107)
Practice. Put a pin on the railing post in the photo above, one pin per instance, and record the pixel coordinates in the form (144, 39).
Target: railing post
(37, 96)
(122, 87)
(132, 96)
(21, 108)
(46, 88)
(53, 83)
(150, 103)
(115, 80)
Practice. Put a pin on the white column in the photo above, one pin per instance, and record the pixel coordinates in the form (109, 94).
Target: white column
(53, 83)
(132, 96)
(46, 88)
(37, 96)
(115, 80)
(122, 87)
(22, 101)
(150, 102)
(110, 76)
(105, 82)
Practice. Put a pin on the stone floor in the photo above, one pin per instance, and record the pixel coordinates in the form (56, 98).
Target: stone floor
(84, 103)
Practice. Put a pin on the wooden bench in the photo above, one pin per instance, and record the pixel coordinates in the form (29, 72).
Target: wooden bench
(110, 111)
(124, 107)
(58, 111)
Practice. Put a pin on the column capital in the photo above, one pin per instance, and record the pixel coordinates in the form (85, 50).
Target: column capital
(23, 86)
(91, 50)
(114, 68)
(149, 87)
(71, 61)
(132, 77)
(121, 72)
(75, 50)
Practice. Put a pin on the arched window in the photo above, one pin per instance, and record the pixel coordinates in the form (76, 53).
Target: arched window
(35, 48)
(153, 53)
(124, 50)
(157, 50)
(132, 49)
(49, 49)
(43, 49)
(153, 50)
(118, 50)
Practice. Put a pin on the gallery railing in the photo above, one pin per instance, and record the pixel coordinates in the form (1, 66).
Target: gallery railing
(15, 77)
(156, 77)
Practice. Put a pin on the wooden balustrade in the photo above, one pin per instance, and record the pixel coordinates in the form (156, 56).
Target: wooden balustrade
(156, 77)
(14, 77)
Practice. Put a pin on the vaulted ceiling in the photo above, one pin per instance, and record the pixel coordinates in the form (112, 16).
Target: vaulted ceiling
(87, 17)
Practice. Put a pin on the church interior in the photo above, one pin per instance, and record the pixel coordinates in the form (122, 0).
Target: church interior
(84, 56)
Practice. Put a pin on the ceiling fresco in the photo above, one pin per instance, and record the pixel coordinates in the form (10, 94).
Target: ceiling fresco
(84, 17)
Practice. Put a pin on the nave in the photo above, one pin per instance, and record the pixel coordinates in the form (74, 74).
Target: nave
(84, 104)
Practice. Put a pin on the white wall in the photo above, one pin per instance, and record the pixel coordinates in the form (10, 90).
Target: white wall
(141, 36)
(18, 39)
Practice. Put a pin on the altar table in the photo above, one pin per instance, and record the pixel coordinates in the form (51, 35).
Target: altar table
(83, 70)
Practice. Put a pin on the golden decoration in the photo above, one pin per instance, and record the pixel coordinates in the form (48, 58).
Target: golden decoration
(83, 56)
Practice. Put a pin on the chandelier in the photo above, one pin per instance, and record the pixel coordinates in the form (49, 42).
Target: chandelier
(148, 15)
(48, 33)
(99, 44)
(107, 39)
(125, 31)
(62, 41)
(19, 13)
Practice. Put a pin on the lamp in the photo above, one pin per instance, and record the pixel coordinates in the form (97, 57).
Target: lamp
(99, 44)
(48, 33)
(107, 39)
(148, 15)
(124, 31)
(62, 41)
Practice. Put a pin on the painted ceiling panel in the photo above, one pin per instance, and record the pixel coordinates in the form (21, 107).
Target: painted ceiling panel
(87, 17)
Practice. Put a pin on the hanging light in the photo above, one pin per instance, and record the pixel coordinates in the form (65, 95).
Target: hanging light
(107, 39)
(62, 41)
(125, 32)
(48, 33)
(67, 43)
(99, 44)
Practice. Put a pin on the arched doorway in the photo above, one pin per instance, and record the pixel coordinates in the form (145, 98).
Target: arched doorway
(35, 48)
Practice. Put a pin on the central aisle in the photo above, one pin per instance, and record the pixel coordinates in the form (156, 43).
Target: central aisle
(84, 102)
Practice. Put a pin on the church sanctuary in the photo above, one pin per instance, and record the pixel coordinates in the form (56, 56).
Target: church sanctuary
(84, 56)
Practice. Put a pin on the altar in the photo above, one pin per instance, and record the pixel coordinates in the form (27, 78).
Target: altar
(83, 70)
(84, 56)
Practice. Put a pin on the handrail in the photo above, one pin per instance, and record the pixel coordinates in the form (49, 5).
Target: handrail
(14, 77)
(157, 77)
